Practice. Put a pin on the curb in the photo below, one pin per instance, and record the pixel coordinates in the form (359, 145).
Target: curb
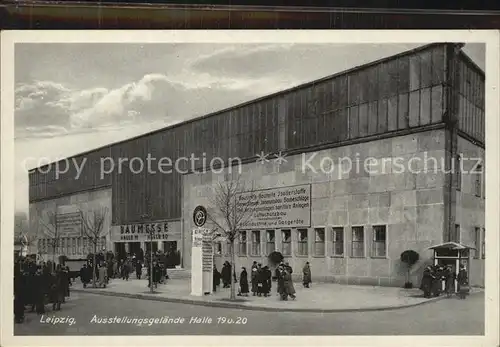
(256, 308)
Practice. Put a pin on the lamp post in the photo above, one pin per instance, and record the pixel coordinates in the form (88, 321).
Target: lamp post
(145, 217)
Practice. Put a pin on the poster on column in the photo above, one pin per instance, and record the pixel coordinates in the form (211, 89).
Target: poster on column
(207, 264)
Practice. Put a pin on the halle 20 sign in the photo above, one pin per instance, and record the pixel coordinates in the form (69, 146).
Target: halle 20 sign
(288, 207)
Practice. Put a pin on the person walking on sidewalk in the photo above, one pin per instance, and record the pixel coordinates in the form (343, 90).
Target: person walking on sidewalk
(306, 275)
(216, 278)
(463, 282)
(243, 282)
(267, 280)
(103, 274)
(138, 269)
(289, 288)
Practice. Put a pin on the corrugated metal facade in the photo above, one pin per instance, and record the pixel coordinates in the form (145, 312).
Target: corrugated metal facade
(402, 92)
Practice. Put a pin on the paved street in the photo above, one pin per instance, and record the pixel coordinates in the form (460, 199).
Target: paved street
(445, 317)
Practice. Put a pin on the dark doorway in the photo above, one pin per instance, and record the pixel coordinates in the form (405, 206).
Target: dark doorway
(172, 254)
(120, 250)
(134, 248)
(148, 246)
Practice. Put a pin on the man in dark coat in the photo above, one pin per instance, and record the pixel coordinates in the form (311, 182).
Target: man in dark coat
(463, 282)
(266, 280)
(306, 275)
(39, 291)
(254, 279)
(138, 269)
(226, 275)
(427, 282)
(244, 282)
(85, 275)
(19, 288)
(216, 278)
(57, 288)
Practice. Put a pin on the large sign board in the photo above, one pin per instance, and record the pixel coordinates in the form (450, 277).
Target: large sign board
(287, 207)
(69, 224)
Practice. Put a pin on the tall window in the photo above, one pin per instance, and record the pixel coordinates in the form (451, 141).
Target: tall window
(228, 247)
(270, 241)
(286, 243)
(218, 248)
(103, 243)
(379, 241)
(458, 172)
(358, 242)
(483, 249)
(319, 241)
(338, 242)
(68, 245)
(85, 245)
(256, 242)
(456, 235)
(477, 242)
(302, 242)
(242, 244)
(478, 181)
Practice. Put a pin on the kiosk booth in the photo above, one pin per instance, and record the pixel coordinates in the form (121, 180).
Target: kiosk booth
(454, 254)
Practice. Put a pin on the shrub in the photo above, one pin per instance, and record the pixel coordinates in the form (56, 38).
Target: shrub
(410, 258)
(275, 258)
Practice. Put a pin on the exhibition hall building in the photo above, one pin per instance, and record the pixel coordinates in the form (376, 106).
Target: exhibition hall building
(349, 171)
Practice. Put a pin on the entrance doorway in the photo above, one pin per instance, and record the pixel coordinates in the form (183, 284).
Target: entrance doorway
(148, 246)
(169, 246)
(172, 254)
(134, 248)
(120, 250)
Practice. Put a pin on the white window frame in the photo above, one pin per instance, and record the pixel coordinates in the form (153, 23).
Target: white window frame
(316, 242)
(385, 242)
(363, 241)
(283, 242)
(340, 229)
(256, 243)
(301, 243)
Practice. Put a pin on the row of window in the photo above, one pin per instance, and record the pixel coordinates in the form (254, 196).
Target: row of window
(478, 237)
(69, 245)
(335, 247)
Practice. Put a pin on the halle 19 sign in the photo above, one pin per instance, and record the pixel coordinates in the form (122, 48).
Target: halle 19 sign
(288, 207)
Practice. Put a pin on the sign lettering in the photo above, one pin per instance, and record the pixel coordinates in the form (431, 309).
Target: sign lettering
(276, 208)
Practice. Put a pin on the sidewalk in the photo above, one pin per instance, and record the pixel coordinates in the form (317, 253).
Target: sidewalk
(322, 297)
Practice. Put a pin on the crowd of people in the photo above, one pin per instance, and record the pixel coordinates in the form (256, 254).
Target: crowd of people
(36, 285)
(436, 277)
(109, 266)
(261, 279)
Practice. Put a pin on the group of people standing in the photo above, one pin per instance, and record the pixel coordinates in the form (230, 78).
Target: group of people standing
(261, 279)
(435, 277)
(35, 285)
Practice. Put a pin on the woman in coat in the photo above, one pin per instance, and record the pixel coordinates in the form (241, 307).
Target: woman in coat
(57, 289)
(449, 281)
(463, 282)
(288, 283)
(427, 281)
(244, 282)
(306, 275)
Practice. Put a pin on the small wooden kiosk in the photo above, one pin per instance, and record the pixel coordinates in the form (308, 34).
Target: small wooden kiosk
(452, 253)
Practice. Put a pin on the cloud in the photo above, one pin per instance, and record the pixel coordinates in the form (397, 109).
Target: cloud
(45, 108)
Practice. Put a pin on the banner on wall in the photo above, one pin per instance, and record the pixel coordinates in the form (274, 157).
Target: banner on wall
(287, 207)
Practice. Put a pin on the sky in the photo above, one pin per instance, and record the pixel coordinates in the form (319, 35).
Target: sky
(74, 97)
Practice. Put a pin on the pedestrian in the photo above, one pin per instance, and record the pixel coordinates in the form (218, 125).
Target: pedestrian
(427, 282)
(57, 288)
(226, 275)
(260, 280)
(19, 290)
(254, 279)
(138, 269)
(306, 275)
(266, 280)
(216, 278)
(449, 281)
(40, 290)
(463, 282)
(85, 275)
(288, 283)
(244, 282)
(103, 276)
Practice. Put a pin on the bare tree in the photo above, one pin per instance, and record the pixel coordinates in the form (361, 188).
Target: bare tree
(229, 211)
(52, 232)
(93, 225)
(24, 235)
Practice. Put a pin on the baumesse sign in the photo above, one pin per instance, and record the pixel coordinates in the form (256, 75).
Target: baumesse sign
(288, 207)
(161, 230)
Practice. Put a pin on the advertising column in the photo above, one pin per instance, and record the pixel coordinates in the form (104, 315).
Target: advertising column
(197, 263)
(201, 255)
